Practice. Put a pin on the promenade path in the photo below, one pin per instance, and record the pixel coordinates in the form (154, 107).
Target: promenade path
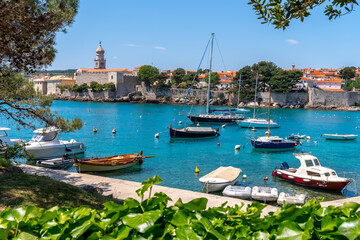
(122, 189)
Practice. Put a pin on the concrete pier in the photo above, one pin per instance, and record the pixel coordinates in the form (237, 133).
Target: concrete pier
(122, 189)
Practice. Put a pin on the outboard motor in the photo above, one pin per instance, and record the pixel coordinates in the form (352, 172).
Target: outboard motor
(284, 165)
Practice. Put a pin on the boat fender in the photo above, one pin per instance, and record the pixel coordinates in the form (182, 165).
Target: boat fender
(157, 135)
(198, 125)
(244, 176)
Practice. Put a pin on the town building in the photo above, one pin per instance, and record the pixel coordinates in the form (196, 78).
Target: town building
(47, 85)
(124, 79)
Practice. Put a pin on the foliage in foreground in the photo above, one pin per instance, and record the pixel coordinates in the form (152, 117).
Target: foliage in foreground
(151, 218)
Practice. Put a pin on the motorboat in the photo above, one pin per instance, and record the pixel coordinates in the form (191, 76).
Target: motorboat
(274, 142)
(193, 132)
(237, 191)
(228, 117)
(296, 136)
(289, 198)
(340, 136)
(257, 123)
(311, 174)
(45, 144)
(5, 139)
(265, 194)
(218, 179)
(112, 163)
(56, 162)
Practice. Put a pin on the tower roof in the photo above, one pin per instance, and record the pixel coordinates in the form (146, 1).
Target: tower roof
(100, 49)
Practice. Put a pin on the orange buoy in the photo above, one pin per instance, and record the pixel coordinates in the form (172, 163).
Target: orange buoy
(94, 130)
(84, 124)
(266, 178)
(114, 131)
(218, 144)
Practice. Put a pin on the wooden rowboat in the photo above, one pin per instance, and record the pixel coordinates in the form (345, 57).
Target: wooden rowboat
(112, 163)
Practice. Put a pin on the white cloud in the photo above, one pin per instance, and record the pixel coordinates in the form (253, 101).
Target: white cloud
(131, 45)
(160, 48)
(292, 41)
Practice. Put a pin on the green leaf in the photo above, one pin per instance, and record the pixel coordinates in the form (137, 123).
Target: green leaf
(25, 236)
(289, 230)
(131, 203)
(259, 235)
(350, 228)
(197, 204)
(181, 218)
(142, 221)
(328, 224)
(78, 231)
(209, 228)
(123, 232)
(18, 214)
(186, 233)
(3, 233)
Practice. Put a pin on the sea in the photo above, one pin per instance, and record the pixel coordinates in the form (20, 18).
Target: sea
(175, 161)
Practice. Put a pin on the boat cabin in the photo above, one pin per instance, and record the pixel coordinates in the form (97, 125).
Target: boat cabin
(49, 134)
(310, 166)
(272, 139)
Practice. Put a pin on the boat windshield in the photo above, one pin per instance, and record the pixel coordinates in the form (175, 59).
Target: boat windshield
(309, 163)
(3, 133)
(333, 173)
(327, 174)
(39, 137)
(316, 162)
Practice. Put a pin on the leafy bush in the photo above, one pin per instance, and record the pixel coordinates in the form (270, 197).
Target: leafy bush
(96, 87)
(110, 86)
(150, 218)
(83, 87)
(5, 162)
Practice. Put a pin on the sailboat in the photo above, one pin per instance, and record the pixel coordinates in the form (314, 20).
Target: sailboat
(257, 122)
(274, 142)
(225, 116)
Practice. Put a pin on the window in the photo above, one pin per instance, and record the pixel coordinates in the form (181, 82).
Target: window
(327, 174)
(309, 163)
(333, 173)
(314, 174)
(316, 162)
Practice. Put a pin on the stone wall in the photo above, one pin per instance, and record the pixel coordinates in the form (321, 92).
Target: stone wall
(299, 99)
(125, 85)
(107, 94)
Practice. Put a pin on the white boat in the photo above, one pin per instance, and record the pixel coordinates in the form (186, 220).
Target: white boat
(45, 144)
(340, 136)
(218, 179)
(289, 198)
(237, 191)
(55, 162)
(265, 194)
(5, 139)
(311, 174)
(258, 122)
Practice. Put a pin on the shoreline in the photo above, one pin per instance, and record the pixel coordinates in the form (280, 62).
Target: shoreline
(162, 101)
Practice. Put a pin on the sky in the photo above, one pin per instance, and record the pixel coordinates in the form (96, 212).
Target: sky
(171, 33)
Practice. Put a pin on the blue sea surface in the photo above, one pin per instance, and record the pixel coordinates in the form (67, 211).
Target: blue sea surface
(175, 160)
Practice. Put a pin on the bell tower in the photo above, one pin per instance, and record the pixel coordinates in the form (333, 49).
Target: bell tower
(100, 61)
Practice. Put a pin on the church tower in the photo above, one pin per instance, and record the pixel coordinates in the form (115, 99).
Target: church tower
(100, 61)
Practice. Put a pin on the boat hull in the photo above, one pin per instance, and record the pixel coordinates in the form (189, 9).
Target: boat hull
(256, 125)
(83, 167)
(327, 185)
(237, 191)
(339, 137)
(175, 133)
(54, 151)
(216, 187)
(260, 144)
(196, 119)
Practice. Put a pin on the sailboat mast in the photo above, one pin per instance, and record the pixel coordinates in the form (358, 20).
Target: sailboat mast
(257, 76)
(208, 96)
(269, 112)
(238, 101)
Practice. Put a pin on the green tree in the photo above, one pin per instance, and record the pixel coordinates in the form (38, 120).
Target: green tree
(281, 13)
(284, 81)
(27, 38)
(215, 79)
(162, 81)
(148, 74)
(188, 78)
(96, 87)
(248, 80)
(178, 75)
(347, 73)
(266, 71)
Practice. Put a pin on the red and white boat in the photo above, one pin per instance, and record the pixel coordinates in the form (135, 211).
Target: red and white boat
(312, 174)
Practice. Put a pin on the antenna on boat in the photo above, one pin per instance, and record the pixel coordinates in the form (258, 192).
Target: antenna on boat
(268, 133)
(257, 77)
(209, 87)
(239, 84)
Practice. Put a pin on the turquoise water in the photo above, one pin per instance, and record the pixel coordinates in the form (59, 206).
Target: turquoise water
(175, 161)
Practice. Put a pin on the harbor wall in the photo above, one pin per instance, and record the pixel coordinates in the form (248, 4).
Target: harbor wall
(312, 99)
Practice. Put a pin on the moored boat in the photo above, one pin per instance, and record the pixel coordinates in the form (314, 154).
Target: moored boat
(296, 136)
(112, 163)
(55, 162)
(265, 194)
(273, 142)
(218, 179)
(311, 174)
(289, 198)
(237, 191)
(193, 132)
(340, 136)
(257, 123)
(45, 144)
